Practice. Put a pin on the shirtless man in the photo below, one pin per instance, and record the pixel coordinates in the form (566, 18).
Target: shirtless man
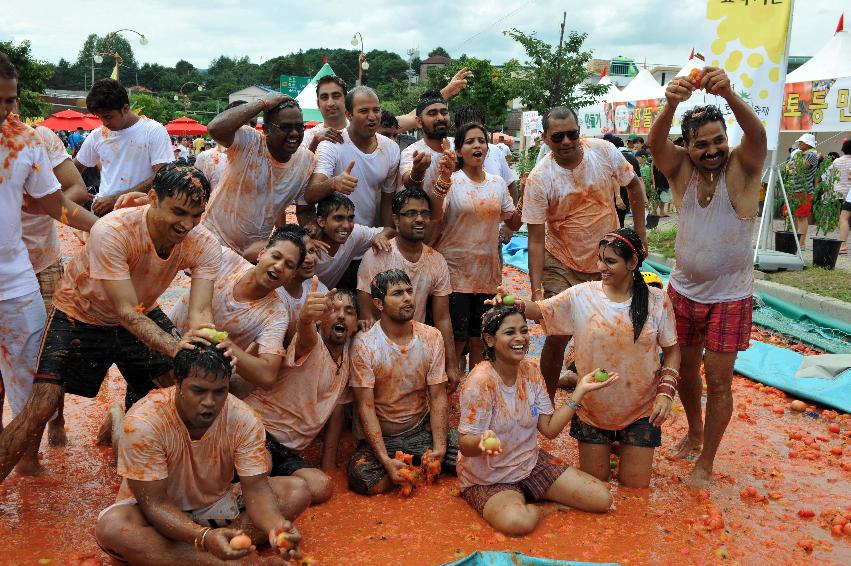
(399, 385)
(106, 304)
(716, 191)
(180, 449)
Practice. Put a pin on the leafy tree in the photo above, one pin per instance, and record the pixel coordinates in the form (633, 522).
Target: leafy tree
(66, 76)
(106, 46)
(490, 88)
(438, 51)
(156, 108)
(32, 78)
(555, 75)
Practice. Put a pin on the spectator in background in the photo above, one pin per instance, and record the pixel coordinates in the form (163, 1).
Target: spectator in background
(624, 193)
(503, 148)
(389, 125)
(75, 140)
(197, 145)
(807, 157)
(842, 166)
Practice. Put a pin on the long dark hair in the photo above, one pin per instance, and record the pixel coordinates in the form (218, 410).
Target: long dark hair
(491, 321)
(631, 247)
(459, 140)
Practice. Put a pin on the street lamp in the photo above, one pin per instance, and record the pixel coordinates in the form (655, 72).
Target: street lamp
(97, 57)
(186, 96)
(363, 64)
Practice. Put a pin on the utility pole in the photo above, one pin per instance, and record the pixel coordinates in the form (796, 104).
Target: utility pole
(557, 90)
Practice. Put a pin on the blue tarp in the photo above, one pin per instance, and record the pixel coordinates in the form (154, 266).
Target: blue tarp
(516, 253)
(491, 558)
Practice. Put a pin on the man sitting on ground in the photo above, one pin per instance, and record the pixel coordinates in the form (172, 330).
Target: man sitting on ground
(399, 385)
(311, 389)
(180, 449)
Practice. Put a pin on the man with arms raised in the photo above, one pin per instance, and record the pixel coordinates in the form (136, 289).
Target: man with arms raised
(716, 191)
(568, 195)
(180, 449)
(425, 267)
(399, 385)
(130, 149)
(265, 173)
(311, 389)
(106, 304)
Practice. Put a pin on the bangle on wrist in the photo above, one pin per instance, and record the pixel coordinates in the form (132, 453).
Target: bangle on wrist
(572, 404)
(669, 372)
(201, 539)
(417, 181)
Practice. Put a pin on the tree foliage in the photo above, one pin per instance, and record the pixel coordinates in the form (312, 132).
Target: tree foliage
(32, 78)
(555, 76)
(440, 51)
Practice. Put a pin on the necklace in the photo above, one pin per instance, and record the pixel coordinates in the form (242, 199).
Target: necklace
(713, 183)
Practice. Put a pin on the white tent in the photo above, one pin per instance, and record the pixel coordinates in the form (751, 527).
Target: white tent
(695, 61)
(612, 93)
(642, 87)
(307, 97)
(592, 118)
(831, 62)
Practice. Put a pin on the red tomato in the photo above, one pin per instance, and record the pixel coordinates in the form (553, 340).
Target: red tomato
(806, 513)
(834, 428)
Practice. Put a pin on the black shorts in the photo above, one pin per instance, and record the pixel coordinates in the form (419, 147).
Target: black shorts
(77, 355)
(846, 206)
(466, 310)
(285, 462)
(640, 433)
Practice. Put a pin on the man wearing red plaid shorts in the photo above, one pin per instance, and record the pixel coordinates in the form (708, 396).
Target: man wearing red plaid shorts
(716, 191)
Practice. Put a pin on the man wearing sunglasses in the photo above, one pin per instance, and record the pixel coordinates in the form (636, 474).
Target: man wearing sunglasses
(568, 195)
(266, 172)
(426, 268)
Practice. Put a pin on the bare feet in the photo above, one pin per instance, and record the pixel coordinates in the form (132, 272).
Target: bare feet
(700, 478)
(56, 437)
(686, 446)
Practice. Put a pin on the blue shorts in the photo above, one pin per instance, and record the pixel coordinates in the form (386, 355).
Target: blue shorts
(640, 433)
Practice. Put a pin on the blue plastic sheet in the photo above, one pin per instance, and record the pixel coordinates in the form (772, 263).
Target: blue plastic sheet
(516, 253)
(491, 558)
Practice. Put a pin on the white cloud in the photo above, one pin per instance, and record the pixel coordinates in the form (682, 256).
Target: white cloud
(660, 31)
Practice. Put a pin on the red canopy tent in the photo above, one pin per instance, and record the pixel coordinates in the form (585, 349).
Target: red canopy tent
(185, 126)
(70, 120)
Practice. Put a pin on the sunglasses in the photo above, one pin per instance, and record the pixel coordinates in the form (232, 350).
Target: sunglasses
(411, 214)
(287, 128)
(558, 137)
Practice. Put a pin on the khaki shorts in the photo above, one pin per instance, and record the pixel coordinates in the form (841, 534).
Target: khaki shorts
(557, 276)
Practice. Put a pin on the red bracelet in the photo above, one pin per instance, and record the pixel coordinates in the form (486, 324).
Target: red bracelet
(666, 371)
(666, 389)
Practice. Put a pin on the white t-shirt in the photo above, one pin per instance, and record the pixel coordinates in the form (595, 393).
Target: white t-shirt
(495, 163)
(27, 170)
(406, 162)
(212, 162)
(315, 131)
(504, 149)
(330, 269)
(377, 172)
(39, 230)
(842, 166)
(294, 304)
(126, 156)
(183, 151)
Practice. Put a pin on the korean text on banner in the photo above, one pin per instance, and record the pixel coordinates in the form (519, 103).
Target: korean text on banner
(749, 41)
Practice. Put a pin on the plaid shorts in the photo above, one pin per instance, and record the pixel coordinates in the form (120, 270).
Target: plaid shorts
(724, 328)
(48, 279)
(533, 487)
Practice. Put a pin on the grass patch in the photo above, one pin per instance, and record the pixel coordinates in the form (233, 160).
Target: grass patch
(825, 282)
(661, 241)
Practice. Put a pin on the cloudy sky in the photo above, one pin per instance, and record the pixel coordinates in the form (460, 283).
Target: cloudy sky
(658, 31)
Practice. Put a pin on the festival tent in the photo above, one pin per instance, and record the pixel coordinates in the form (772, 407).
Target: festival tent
(70, 120)
(307, 97)
(591, 118)
(185, 126)
(642, 87)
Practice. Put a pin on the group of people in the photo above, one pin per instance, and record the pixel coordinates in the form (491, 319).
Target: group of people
(369, 312)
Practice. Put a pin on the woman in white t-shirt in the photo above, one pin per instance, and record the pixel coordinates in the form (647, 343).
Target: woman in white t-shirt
(842, 167)
(469, 209)
(618, 324)
(504, 404)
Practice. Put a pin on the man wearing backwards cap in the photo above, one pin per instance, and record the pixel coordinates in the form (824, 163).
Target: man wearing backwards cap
(807, 155)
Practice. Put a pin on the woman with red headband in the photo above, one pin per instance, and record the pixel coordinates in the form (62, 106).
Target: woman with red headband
(619, 324)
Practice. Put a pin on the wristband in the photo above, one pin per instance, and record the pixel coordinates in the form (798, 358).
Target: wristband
(670, 372)
(417, 181)
(572, 404)
(666, 389)
(200, 543)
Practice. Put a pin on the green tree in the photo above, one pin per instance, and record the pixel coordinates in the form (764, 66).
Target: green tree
(438, 51)
(160, 109)
(106, 46)
(555, 75)
(32, 78)
(490, 88)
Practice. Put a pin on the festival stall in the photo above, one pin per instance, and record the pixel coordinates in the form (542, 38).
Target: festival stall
(591, 118)
(185, 126)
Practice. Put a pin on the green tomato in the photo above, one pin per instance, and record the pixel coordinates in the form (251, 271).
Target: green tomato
(220, 336)
(601, 376)
(213, 336)
(508, 300)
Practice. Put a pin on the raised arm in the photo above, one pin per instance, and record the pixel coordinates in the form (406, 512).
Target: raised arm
(223, 127)
(667, 157)
(321, 185)
(455, 85)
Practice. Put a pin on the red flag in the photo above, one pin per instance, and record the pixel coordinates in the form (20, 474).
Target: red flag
(690, 57)
(841, 25)
(605, 72)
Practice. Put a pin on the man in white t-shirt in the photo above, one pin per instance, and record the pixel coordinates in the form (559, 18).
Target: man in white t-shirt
(365, 166)
(266, 172)
(418, 164)
(503, 148)
(128, 149)
(29, 174)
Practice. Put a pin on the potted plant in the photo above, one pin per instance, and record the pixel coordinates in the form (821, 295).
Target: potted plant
(827, 206)
(794, 176)
(654, 202)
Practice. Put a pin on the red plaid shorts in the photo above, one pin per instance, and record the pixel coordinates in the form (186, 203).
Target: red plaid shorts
(721, 327)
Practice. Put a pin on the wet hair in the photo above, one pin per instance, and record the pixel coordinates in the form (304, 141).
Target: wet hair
(381, 282)
(205, 360)
(558, 113)
(332, 202)
(7, 68)
(235, 103)
(271, 113)
(846, 147)
(461, 134)
(638, 308)
(294, 228)
(412, 193)
(284, 235)
(176, 179)
(698, 117)
(332, 79)
(388, 119)
(491, 321)
(105, 95)
(467, 115)
(350, 96)
(350, 295)
(428, 98)
(616, 141)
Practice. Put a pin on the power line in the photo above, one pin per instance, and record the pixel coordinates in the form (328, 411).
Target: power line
(495, 22)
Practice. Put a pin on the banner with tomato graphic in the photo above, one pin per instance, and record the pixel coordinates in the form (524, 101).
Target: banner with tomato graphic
(817, 106)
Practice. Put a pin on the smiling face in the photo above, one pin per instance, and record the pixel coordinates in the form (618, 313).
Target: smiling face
(434, 121)
(398, 304)
(172, 218)
(340, 321)
(308, 266)
(614, 270)
(276, 264)
(365, 115)
(708, 149)
(285, 132)
(8, 98)
(511, 341)
(338, 225)
(200, 398)
(413, 220)
(474, 149)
